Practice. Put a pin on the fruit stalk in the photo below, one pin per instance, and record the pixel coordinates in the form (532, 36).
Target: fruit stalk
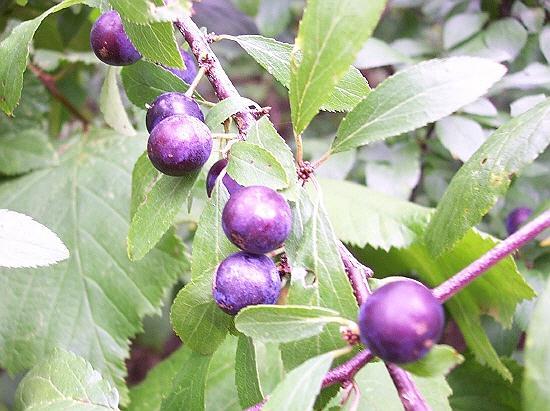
(215, 73)
(517, 240)
(347, 370)
(357, 274)
(407, 390)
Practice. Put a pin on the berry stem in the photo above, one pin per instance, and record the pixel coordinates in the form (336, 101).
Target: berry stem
(322, 159)
(223, 87)
(195, 83)
(346, 371)
(357, 274)
(299, 148)
(407, 390)
(521, 237)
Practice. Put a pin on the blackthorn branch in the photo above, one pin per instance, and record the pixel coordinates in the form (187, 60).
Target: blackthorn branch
(406, 389)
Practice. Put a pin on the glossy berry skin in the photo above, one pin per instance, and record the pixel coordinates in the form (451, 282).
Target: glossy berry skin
(257, 219)
(213, 174)
(189, 72)
(244, 279)
(516, 218)
(170, 104)
(110, 43)
(179, 144)
(401, 321)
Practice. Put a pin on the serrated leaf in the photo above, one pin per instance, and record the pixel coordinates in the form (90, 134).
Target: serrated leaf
(161, 201)
(226, 108)
(415, 97)
(195, 316)
(274, 56)
(297, 392)
(14, 52)
(65, 381)
(250, 164)
(98, 293)
(440, 361)
(27, 243)
(330, 35)
(110, 104)
(460, 135)
(285, 323)
(486, 176)
(247, 378)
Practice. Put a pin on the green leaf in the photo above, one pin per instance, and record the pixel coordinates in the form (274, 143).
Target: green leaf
(330, 35)
(285, 323)
(145, 11)
(98, 293)
(487, 175)
(247, 378)
(297, 392)
(478, 388)
(226, 108)
(439, 361)
(461, 27)
(274, 56)
(250, 164)
(14, 52)
(65, 381)
(221, 391)
(161, 201)
(536, 394)
(379, 393)
(110, 104)
(415, 97)
(24, 151)
(195, 316)
(377, 53)
(27, 243)
(460, 135)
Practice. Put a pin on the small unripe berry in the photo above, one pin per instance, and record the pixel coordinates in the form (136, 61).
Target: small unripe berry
(179, 144)
(170, 104)
(189, 72)
(110, 43)
(257, 219)
(213, 174)
(401, 321)
(516, 218)
(244, 279)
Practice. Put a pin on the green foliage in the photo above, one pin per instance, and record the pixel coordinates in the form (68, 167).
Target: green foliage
(247, 379)
(225, 109)
(440, 361)
(110, 103)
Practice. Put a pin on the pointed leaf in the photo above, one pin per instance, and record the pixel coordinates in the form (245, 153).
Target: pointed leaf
(247, 378)
(110, 104)
(226, 108)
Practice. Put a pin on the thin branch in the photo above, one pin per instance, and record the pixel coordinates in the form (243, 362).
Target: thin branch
(346, 371)
(223, 87)
(49, 82)
(407, 390)
(453, 285)
(357, 274)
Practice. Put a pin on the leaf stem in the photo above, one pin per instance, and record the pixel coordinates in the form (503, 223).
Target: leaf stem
(406, 388)
(322, 159)
(195, 83)
(453, 285)
(299, 148)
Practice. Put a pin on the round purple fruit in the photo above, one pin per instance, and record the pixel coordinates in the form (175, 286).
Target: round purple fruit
(244, 279)
(401, 321)
(171, 104)
(179, 144)
(217, 168)
(110, 43)
(257, 219)
(516, 218)
(189, 72)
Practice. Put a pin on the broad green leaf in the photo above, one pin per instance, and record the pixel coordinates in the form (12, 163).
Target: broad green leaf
(110, 104)
(64, 381)
(146, 11)
(378, 392)
(285, 323)
(270, 365)
(161, 201)
(14, 52)
(439, 361)
(536, 393)
(297, 392)
(221, 390)
(478, 388)
(24, 151)
(385, 221)
(273, 16)
(523, 104)
(98, 293)
(274, 56)
(461, 27)
(460, 135)
(250, 164)
(487, 175)
(226, 108)
(195, 316)
(27, 243)
(247, 378)
(330, 35)
(377, 53)
(415, 97)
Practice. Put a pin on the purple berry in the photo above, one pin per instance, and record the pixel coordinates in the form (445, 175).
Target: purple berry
(190, 71)
(179, 144)
(516, 218)
(257, 219)
(213, 174)
(401, 321)
(110, 43)
(244, 279)
(170, 104)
